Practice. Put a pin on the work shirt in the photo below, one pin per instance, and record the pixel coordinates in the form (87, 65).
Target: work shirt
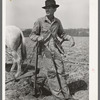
(43, 26)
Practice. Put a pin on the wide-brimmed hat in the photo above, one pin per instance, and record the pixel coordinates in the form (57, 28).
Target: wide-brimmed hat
(50, 3)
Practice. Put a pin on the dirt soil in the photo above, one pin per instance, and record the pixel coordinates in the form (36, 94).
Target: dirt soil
(76, 66)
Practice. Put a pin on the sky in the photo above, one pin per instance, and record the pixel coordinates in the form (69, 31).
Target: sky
(23, 13)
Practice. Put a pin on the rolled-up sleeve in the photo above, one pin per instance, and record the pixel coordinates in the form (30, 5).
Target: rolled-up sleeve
(61, 32)
(35, 31)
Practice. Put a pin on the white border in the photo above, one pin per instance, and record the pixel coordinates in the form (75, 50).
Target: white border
(3, 47)
(93, 49)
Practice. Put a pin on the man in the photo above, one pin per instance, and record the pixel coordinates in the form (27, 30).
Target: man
(47, 31)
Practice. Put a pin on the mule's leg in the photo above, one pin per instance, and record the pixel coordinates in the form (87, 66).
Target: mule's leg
(14, 65)
(19, 63)
(17, 60)
(14, 55)
(19, 67)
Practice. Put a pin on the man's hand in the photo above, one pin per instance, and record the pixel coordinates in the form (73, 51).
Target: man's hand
(73, 44)
(40, 38)
(72, 41)
(66, 37)
(69, 38)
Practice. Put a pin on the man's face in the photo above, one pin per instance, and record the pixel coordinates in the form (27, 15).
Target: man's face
(50, 11)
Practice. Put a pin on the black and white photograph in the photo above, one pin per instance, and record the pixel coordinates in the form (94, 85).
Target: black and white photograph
(47, 51)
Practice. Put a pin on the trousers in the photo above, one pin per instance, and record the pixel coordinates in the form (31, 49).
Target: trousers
(46, 64)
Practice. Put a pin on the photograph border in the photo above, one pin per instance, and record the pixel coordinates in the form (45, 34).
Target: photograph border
(98, 49)
(93, 55)
(93, 50)
(0, 49)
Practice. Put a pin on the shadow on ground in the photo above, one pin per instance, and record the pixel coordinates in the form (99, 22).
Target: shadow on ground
(24, 67)
(77, 86)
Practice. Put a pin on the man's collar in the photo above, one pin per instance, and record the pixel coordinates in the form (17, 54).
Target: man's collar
(47, 20)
